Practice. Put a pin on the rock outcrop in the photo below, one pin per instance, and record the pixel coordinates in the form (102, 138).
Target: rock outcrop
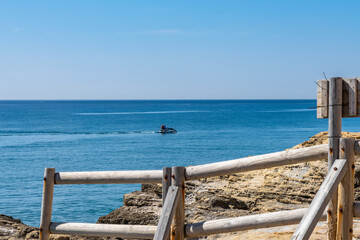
(267, 190)
(260, 191)
(11, 228)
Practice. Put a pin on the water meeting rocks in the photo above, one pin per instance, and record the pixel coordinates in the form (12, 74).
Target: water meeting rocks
(12, 229)
(266, 190)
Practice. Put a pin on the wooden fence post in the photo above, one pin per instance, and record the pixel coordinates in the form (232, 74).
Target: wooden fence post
(346, 191)
(166, 182)
(177, 227)
(335, 115)
(322, 197)
(322, 99)
(167, 214)
(46, 206)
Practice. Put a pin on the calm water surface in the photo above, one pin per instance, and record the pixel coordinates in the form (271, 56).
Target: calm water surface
(120, 135)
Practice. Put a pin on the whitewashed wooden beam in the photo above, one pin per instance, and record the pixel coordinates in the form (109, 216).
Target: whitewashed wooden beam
(166, 182)
(322, 99)
(46, 205)
(346, 191)
(357, 147)
(353, 96)
(349, 98)
(321, 199)
(167, 214)
(104, 230)
(256, 221)
(287, 157)
(356, 209)
(109, 177)
(335, 119)
(177, 226)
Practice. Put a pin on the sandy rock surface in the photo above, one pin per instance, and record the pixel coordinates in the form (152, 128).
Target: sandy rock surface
(14, 229)
(261, 191)
(11, 228)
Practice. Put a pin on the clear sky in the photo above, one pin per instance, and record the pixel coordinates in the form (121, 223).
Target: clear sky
(196, 49)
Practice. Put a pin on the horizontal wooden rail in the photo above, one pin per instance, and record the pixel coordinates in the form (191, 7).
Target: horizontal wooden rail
(256, 221)
(286, 157)
(356, 209)
(109, 177)
(103, 230)
(357, 147)
(321, 199)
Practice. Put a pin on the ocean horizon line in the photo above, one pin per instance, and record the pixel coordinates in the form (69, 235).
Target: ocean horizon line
(180, 99)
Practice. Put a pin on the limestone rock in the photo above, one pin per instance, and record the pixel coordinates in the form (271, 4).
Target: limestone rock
(12, 229)
(266, 190)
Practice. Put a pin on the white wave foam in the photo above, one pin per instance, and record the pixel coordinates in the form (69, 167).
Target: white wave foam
(133, 113)
(289, 110)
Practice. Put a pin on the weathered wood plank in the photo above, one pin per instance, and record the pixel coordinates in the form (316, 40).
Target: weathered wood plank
(46, 205)
(243, 223)
(345, 98)
(346, 191)
(358, 97)
(350, 98)
(177, 226)
(322, 98)
(104, 230)
(353, 90)
(356, 209)
(335, 115)
(321, 199)
(109, 177)
(357, 147)
(166, 182)
(257, 162)
(167, 214)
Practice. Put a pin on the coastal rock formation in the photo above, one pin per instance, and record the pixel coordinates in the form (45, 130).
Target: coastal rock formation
(11, 228)
(14, 229)
(322, 138)
(267, 190)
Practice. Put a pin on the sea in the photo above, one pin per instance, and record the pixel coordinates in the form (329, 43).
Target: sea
(122, 135)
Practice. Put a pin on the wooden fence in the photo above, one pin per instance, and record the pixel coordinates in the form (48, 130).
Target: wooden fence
(340, 212)
(173, 179)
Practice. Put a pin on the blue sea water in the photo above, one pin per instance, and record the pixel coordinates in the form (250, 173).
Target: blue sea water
(120, 135)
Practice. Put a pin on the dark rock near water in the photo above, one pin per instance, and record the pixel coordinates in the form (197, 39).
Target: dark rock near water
(141, 199)
(228, 203)
(260, 191)
(152, 188)
(145, 215)
(11, 229)
(266, 190)
(14, 229)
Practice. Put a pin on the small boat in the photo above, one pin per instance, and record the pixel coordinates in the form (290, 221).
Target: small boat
(165, 129)
(170, 130)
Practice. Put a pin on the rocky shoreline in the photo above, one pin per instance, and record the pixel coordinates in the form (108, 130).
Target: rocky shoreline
(267, 190)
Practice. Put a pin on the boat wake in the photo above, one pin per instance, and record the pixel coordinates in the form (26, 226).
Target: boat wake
(135, 113)
(24, 133)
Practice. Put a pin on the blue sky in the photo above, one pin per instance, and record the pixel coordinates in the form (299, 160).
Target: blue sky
(198, 49)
